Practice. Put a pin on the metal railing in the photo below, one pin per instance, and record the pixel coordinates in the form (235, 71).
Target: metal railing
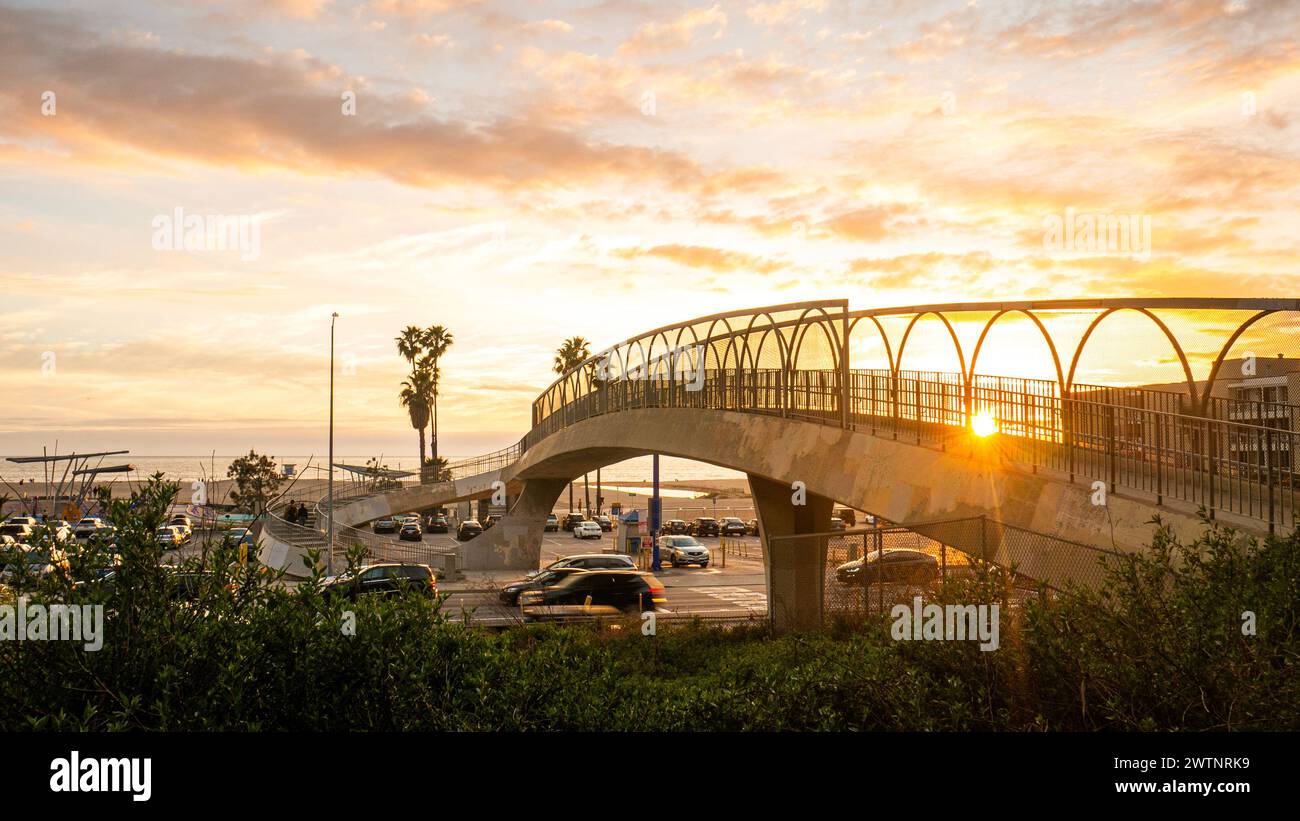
(1177, 442)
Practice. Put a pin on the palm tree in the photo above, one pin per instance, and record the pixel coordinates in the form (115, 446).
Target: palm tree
(436, 339)
(415, 398)
(571, 354)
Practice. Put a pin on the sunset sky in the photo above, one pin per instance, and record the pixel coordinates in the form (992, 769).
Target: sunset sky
(524, 172)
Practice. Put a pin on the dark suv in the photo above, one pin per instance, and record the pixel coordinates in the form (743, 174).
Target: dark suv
(675, 527)
(468, 529)
(732, 526)
(595, 593)
(509, 594)
(571, 519)
(383, 579)
(705, 526)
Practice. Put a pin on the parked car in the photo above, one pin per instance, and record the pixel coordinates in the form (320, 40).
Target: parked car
(411, 532)
(572, 519)
(675, 527)
(88, 527)
(589, 561)
(704, 526)
(595, 593)
(837, 523)
(468, 529)
(22, 519)
(587, 530)
(235, 535)
(39, 560)
(169, 537)
(509, 594)
(436, 523)
(848, 515)
(605, 524)
(680, 550)
(388, 579)
(897, 565)
(751, 527)
(385, 525)
(18, 531)
(731, 526)
(552, 523)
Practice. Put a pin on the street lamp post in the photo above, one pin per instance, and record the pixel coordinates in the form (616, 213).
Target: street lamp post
(329, 539)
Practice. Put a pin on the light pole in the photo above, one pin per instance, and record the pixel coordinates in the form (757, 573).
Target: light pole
(329, 539)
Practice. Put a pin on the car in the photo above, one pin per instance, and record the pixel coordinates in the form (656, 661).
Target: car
(181, 520)
(87, 527)
(897, 565)
(387, 579)
(571, 520)
(235, 535)
(589, 561)
(386, 524)
(552, 523)
(22, 519)
(489, 521)
(704, 526)
(731, 526)
(436, 523)
(509, 594)
(837, 523)
(675, 527)
(751, 527)
(18, 531)
(587, 530)
(411, 532)
(595, 593)
(605, 524)
(169, 537)
(680, 550)
(848, 515)
(40, 561)
(468, 529)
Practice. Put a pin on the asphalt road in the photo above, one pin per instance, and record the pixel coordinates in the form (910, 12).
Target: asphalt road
(737, 590)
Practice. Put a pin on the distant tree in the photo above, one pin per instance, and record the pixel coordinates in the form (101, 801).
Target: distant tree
(256, 482)
(571, 354)
(415, 398)
(437, 339)
(436, 470)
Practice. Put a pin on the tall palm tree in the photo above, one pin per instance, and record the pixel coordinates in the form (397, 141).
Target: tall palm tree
(436, 339)
(415, 398)
(415, 395)
(571, 354)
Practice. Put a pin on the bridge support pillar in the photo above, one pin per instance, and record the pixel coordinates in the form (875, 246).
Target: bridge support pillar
(795, 568)
(515, 542)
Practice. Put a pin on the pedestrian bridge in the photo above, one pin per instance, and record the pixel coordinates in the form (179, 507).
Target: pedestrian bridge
(923, 414)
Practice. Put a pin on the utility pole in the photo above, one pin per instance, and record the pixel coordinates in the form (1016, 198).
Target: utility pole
(329, 539)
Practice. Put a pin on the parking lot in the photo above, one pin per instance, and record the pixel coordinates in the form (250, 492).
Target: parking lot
(737, 589)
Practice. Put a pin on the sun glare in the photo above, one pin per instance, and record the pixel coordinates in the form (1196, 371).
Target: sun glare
(983, 424)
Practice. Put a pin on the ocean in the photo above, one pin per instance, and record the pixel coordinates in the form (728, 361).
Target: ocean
(188, 468)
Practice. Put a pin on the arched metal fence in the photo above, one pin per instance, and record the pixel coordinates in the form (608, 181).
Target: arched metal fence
(1226, 440)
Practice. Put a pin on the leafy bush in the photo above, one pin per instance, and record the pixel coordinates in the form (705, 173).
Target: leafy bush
(1158, 647)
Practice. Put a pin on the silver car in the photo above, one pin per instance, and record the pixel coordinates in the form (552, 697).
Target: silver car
(680, 550)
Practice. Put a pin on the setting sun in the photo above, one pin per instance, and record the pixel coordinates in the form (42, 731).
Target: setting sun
(983, 424)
